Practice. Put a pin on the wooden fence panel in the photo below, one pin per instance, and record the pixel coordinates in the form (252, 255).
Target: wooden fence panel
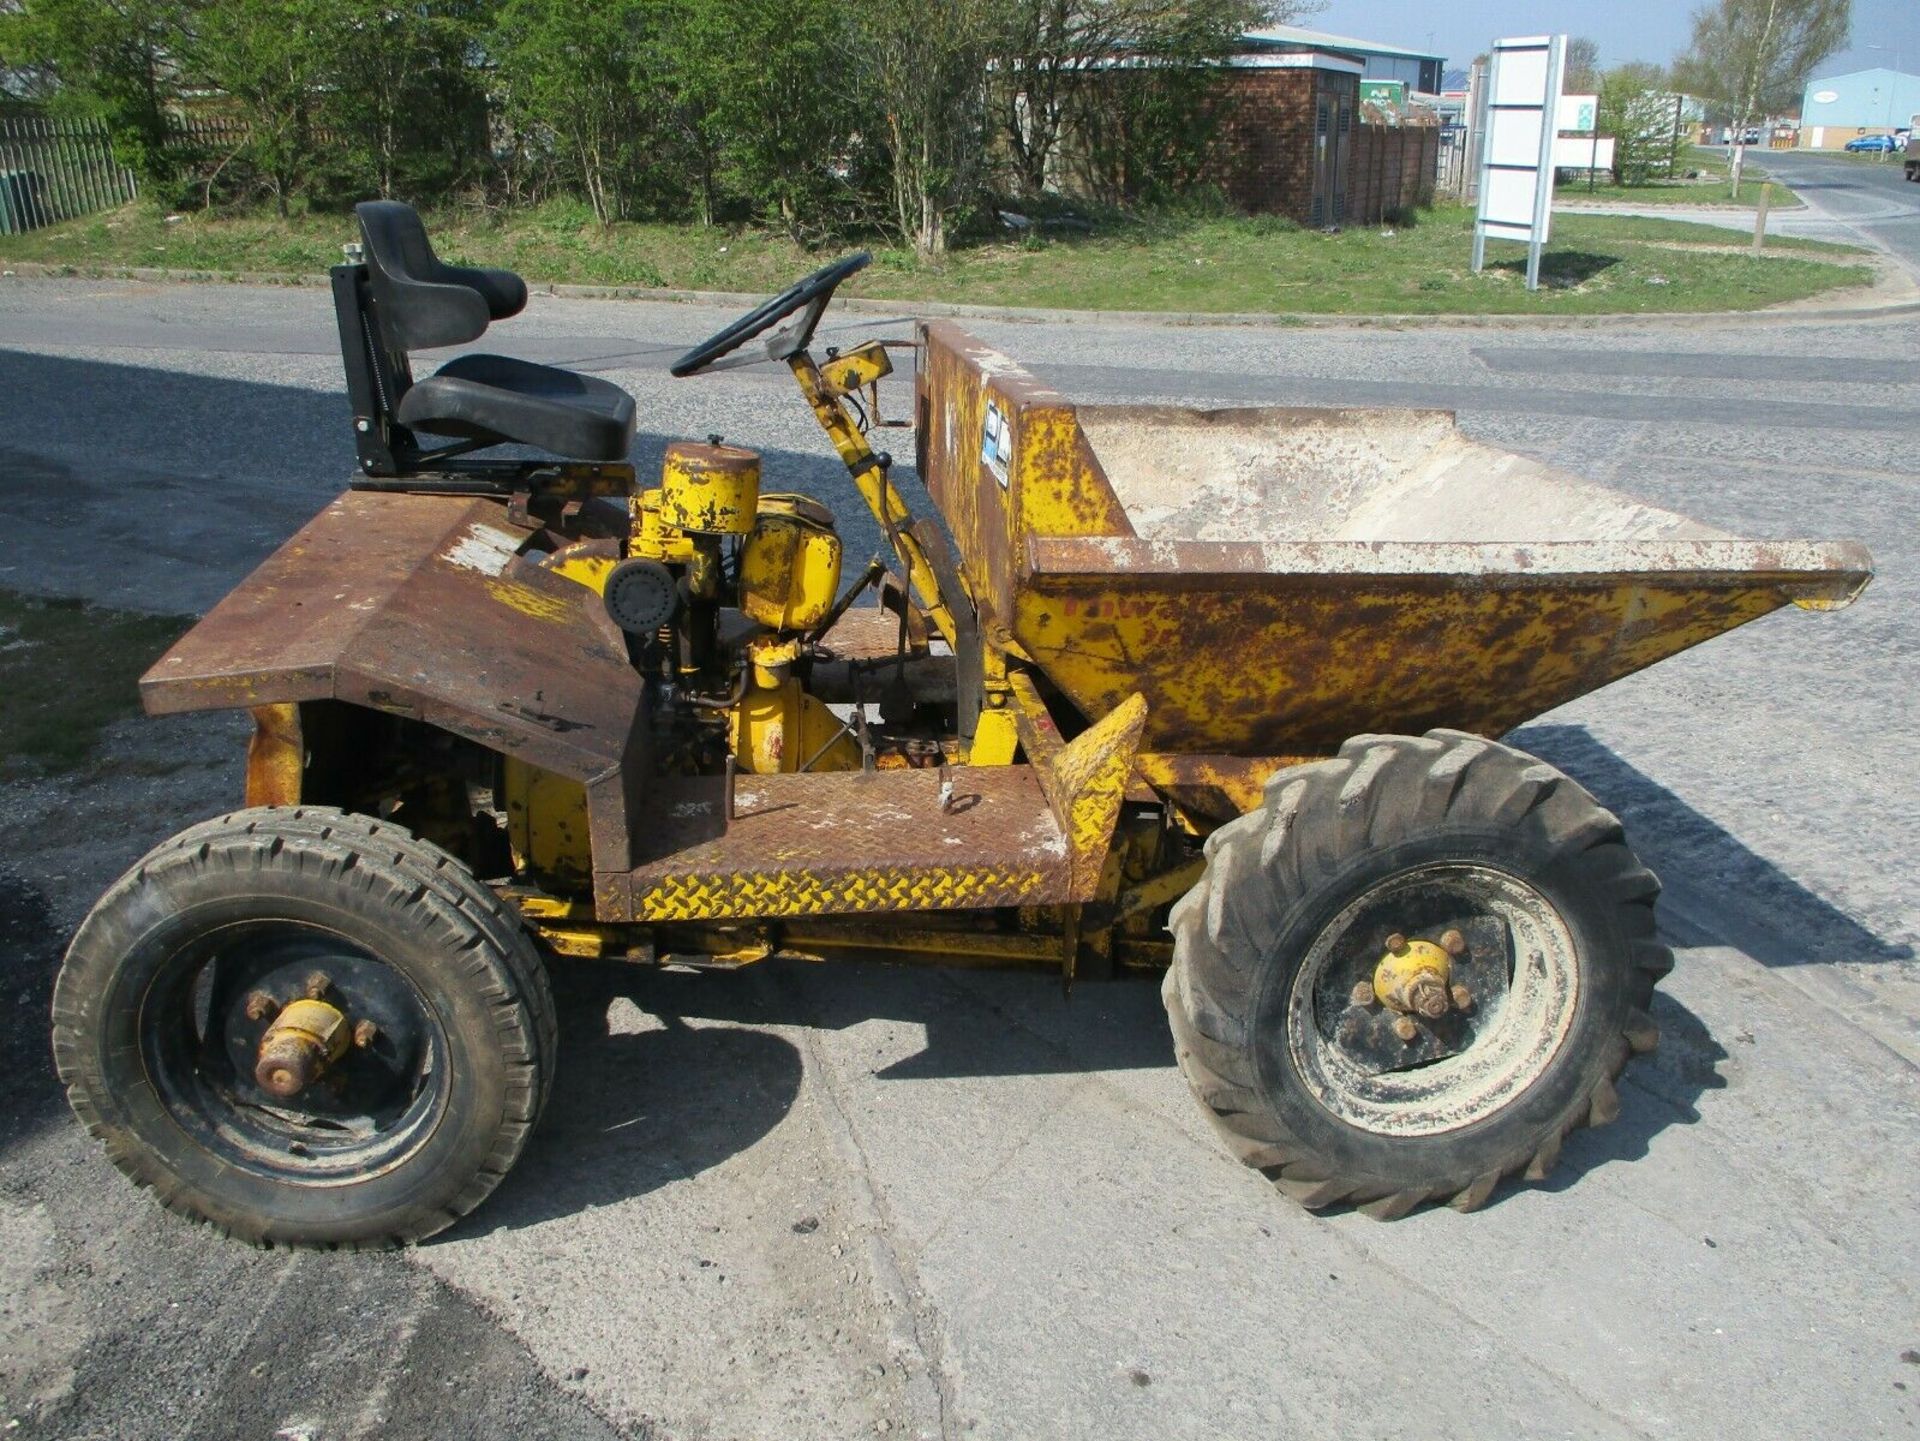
(53, 170)
(1393, 170)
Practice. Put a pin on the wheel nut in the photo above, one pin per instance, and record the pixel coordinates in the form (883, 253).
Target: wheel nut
(1428, 997)
(363, 1033)
(1405, 1029)
(1453, 943)
(262, 1007)
(1462, 999)
(318, 983)
(1363, 993)
(1397, 944)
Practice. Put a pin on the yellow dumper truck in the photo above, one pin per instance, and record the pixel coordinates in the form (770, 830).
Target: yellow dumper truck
(1208, 694)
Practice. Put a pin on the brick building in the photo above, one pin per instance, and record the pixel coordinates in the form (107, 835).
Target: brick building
(1299, 135)
(1300, 142)
(1287, 143)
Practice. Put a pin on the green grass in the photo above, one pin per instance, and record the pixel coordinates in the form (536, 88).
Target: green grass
(1709, 183)
(67, 670)
(1595, 265)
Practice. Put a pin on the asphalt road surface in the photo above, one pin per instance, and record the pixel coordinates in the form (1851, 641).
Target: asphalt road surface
(1850, 199)
(851, 1201)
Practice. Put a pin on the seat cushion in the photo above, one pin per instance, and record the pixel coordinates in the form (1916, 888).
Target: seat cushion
(422, 300)
(494, 397)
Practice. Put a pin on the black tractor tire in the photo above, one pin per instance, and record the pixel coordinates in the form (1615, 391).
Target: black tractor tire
(137, 1038)
(1280, 882)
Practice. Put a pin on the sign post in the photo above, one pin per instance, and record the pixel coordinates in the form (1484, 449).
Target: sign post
(1516, 168)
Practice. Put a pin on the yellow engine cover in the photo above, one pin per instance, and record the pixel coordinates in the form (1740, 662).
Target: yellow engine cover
(709, 489)
(790, 564)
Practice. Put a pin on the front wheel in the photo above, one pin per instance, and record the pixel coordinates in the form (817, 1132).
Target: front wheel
(1411, 971)
(306, 1028)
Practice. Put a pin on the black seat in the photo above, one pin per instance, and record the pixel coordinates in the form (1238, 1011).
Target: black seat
(419, 301)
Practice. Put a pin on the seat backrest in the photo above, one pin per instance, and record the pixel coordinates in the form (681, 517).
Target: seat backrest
(421, 300)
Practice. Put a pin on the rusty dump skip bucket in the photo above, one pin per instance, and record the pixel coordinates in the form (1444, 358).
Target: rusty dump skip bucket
(1275, 580)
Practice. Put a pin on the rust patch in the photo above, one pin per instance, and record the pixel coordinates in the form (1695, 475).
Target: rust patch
(276, 756)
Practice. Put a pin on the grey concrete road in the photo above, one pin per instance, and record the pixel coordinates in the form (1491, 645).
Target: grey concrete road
(838, 1202)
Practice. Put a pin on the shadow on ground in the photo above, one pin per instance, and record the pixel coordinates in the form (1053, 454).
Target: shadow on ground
(1657, 1091)
(30, 946)
(156, 490)
(695, 1068)
(1758, 908)
(1561, 267)
(632, 1112)
(636, 1106)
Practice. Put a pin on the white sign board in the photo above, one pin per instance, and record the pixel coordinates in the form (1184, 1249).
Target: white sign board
(1516, 167)
(1583, 152)
(1577, 113)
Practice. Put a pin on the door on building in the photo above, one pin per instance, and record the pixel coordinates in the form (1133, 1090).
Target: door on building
(1332, 134)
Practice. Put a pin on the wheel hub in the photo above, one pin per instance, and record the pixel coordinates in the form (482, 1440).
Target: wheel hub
(1416, 977)
(1432, 995)
(1419, 998)
(305, 1038)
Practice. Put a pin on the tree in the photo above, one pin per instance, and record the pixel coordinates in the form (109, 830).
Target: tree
(1637, 108)
(1056, 54)
(1582, 66)
(573, 80)
(112, 60)
(409, 106)
(759, 104)
(275, 62)
(1752, 58)
(921, 66)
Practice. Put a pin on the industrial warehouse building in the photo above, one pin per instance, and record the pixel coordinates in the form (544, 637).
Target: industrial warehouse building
(1418, 70)
(1839, 108)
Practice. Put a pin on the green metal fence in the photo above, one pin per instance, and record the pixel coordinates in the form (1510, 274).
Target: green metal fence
(54, 170)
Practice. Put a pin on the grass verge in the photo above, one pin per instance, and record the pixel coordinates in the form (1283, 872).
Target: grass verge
(1705, 179)
(1595, 265)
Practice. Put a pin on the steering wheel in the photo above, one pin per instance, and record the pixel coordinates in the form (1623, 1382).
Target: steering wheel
(811, 295)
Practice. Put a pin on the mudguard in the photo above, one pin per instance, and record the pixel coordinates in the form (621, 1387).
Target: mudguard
(421, 606)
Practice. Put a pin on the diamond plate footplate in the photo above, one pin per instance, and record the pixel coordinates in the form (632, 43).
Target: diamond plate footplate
(845, 844)
(843, 892)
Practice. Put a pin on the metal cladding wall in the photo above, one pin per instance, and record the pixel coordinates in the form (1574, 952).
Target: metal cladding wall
(1866, 102)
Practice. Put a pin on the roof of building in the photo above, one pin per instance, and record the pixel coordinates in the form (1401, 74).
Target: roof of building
(1862, 99)
(1875, 71)
(1292, 37)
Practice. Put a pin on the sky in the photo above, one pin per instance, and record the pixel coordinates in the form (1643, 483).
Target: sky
(1624, 30)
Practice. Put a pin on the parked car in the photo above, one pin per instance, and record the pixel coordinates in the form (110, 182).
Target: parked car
(1873, 145)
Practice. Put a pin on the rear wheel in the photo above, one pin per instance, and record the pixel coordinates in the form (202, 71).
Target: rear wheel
(307, 1028)
(1412, 971)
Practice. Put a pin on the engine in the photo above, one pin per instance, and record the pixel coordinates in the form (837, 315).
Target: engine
(721, 592)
